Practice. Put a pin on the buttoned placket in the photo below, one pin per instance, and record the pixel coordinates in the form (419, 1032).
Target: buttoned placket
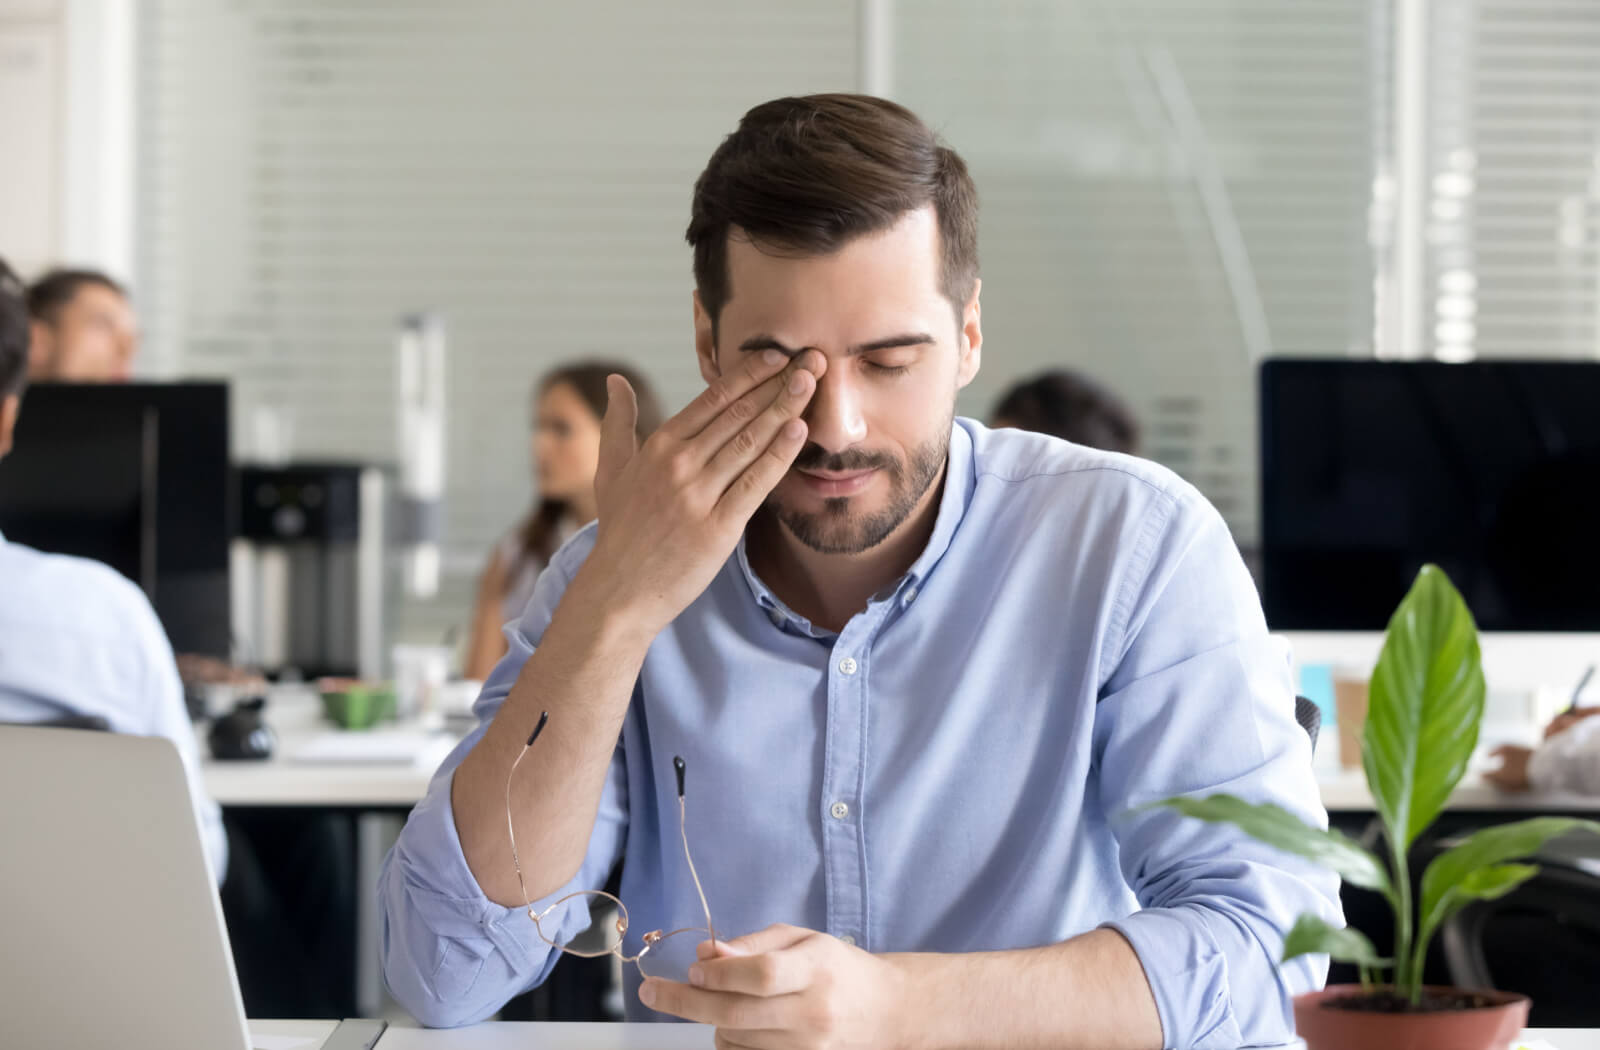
(843, 809)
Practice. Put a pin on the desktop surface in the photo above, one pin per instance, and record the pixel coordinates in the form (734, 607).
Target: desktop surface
(528, 1035)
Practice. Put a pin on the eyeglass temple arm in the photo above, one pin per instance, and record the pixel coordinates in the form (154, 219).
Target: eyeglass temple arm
(680, 768)
(511, 831)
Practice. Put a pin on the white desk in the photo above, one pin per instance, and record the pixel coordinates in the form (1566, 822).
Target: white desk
(295, 716)
(1346, 791)
(509, 1035)
(278, 782)
(283, 781)
(290, 1035)
(535, 1036)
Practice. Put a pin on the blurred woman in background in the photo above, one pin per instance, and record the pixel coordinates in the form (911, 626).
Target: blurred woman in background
(568, 404)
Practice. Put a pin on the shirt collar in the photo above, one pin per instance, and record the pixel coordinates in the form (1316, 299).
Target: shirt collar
(959, 479)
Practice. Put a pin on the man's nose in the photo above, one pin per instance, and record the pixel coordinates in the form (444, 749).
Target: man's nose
(834, 417)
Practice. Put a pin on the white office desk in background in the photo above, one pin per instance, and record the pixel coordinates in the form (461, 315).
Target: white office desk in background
(386, 767)
(1345, 791)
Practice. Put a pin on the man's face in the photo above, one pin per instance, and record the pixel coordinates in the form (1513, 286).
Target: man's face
(880, 419)
(93, 339)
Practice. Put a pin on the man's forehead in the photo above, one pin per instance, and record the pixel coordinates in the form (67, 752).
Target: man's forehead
(900, 263)
(102, 300)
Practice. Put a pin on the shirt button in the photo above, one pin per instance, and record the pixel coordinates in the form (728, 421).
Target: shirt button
(839, 811)
(847, 665)
(911, 595)
(847, 939)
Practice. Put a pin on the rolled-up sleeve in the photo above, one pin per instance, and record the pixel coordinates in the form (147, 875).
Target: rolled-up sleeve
(1198, 700)
(451, 956)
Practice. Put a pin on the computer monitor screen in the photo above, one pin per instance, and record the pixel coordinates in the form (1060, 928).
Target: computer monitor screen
(135, 476)
(1490, 469)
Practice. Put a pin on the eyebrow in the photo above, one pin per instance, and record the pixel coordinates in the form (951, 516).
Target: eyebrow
(767, 342)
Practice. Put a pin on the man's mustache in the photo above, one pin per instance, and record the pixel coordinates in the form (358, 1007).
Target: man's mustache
(815, 457)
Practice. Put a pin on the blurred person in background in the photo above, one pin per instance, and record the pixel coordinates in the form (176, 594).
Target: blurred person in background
(77, 639)
(83, 329)
(1069, 405)
(1567, 760)
(568, 403)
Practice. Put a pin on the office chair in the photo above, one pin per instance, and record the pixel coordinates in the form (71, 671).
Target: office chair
(1310, 718)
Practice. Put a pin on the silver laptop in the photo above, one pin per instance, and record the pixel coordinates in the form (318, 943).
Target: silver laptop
(111, 932)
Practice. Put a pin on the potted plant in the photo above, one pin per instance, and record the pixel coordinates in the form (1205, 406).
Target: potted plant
(1425, 705)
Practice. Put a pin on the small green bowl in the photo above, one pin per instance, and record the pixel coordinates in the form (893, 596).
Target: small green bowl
(358, 705)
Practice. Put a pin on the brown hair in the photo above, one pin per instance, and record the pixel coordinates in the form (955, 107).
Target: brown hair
(1068, 405)
(810, 174)
(56, 289)
(537, 536)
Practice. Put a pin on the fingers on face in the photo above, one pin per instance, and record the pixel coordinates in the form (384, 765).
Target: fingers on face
(725, 391)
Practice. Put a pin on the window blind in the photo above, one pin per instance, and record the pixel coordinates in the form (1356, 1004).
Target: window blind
(310, 170)
(1514, 188)
(1171, 190)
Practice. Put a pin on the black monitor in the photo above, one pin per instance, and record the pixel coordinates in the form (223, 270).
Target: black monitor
(135, 476)
(1490, 469)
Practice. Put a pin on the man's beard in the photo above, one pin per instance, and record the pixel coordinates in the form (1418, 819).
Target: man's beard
(835, 529)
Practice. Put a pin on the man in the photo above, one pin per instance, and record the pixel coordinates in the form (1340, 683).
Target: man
(1070, 406)
(84, 330)
(925, 677)
(76, 638)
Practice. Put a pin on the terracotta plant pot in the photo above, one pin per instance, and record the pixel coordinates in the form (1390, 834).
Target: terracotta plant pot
(1485, 1028)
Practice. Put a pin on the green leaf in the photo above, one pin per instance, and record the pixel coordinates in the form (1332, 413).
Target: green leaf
(1423, 707)
(1456, 868)
(1311, 935)
(1484, 884)
(1277, 827)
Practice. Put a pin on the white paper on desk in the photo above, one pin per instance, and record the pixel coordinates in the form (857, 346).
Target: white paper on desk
(386, 747)
(283, 1042)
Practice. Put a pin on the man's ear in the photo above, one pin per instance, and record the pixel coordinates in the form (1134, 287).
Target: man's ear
(41, 350)
(971, 338)
(10, 407)
(705, 342)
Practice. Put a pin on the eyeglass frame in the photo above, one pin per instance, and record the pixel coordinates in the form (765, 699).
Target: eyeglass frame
(651, 939)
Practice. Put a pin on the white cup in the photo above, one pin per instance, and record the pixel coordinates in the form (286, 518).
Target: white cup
(420, 673)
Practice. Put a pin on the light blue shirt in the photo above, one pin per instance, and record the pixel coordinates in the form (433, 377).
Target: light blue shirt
(960, 769)
(78, 638)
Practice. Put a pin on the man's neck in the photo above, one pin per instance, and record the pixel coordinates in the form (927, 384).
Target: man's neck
(828, 589)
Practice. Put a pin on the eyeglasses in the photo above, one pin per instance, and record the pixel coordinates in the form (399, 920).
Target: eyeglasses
(664, 954)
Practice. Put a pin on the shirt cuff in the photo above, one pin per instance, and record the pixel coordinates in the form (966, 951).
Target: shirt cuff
(1188, 976)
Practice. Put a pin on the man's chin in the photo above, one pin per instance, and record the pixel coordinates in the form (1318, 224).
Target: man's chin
(838, 527)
